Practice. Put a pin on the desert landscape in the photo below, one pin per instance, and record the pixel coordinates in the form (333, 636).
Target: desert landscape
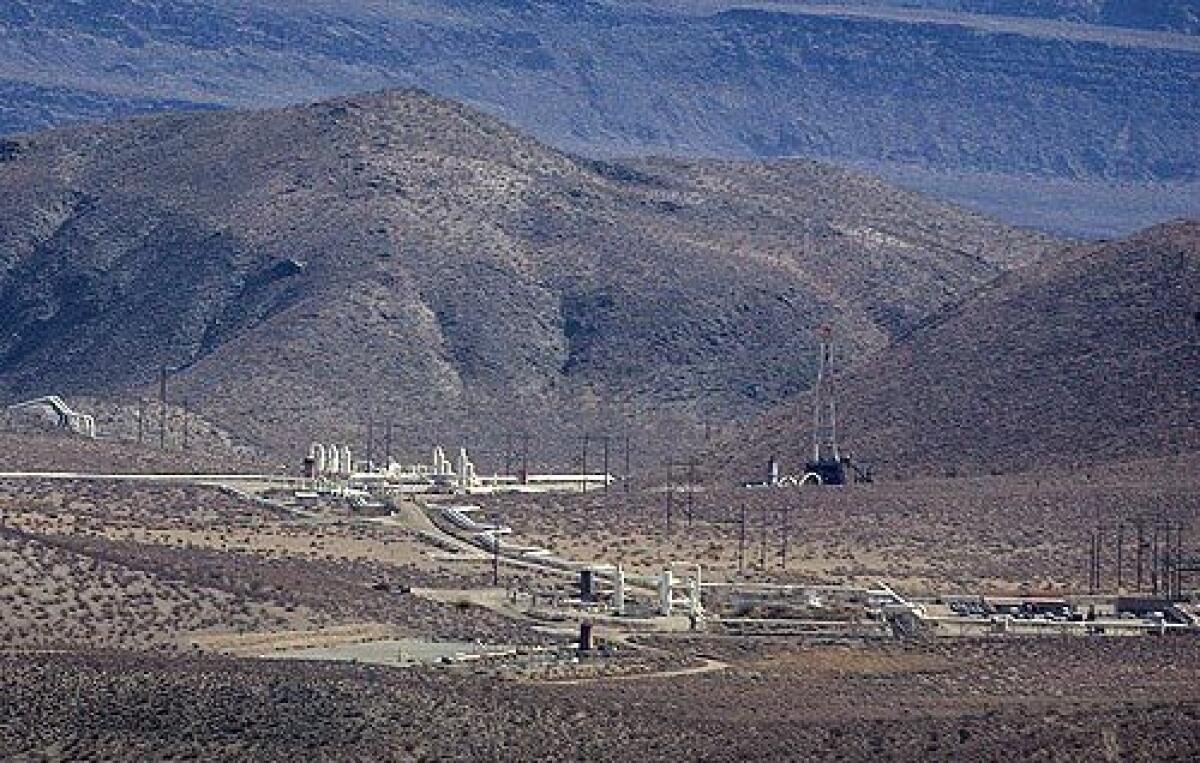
(136, 595)
(599, 380)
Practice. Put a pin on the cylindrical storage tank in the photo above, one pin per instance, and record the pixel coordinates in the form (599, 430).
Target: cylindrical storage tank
(347, 464)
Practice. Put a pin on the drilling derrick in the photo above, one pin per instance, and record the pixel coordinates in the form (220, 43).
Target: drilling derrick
(826, 466)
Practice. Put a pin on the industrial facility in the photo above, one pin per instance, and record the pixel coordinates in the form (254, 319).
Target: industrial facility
(333, 467)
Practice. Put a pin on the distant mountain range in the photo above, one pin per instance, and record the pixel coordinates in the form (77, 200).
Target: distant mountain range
(402, 258)
(1013, 108)
(1086, 358)
(1180, 16)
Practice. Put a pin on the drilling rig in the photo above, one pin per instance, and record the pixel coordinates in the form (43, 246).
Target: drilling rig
(827, 466)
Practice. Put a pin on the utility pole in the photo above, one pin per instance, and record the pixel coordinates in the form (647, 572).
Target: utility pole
(496, 552)
(583, 472)
(670, 495)
(1168, 562)
(370, 438)
(525, 457)
(162, 407)
(606, 464)
(783, 546)
(1179, 561)
(1120, 554)
(185, 424)
(691, 493)
(387, 447)
(1092, 561)
(1141, 545)
(762, 556)
(742, 542)
(627, 475)
(1154, 562)
(141, 417)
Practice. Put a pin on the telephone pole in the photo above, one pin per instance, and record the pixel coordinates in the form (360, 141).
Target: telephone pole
(1120, 555)
(783, 546)
(162, 407)
(691, 501)
(762, 556)
(670, 495)
(370, 438)
(583, 471)
(627, 476)
(742, 542)
(1141, 544)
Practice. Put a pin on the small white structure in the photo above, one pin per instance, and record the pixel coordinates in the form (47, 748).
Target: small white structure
(69, 419)
(441, 464)
(330, 460)
(466, 469)
(316, 452)
(664, 593)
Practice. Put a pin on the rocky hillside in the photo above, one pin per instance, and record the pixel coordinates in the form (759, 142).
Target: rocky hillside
(1090, 358)
(962, 95)
(402, 257)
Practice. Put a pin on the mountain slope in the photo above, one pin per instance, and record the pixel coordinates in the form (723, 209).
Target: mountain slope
(399, 256)
(1181, 16)
(1011, 99)
(1091, 358)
